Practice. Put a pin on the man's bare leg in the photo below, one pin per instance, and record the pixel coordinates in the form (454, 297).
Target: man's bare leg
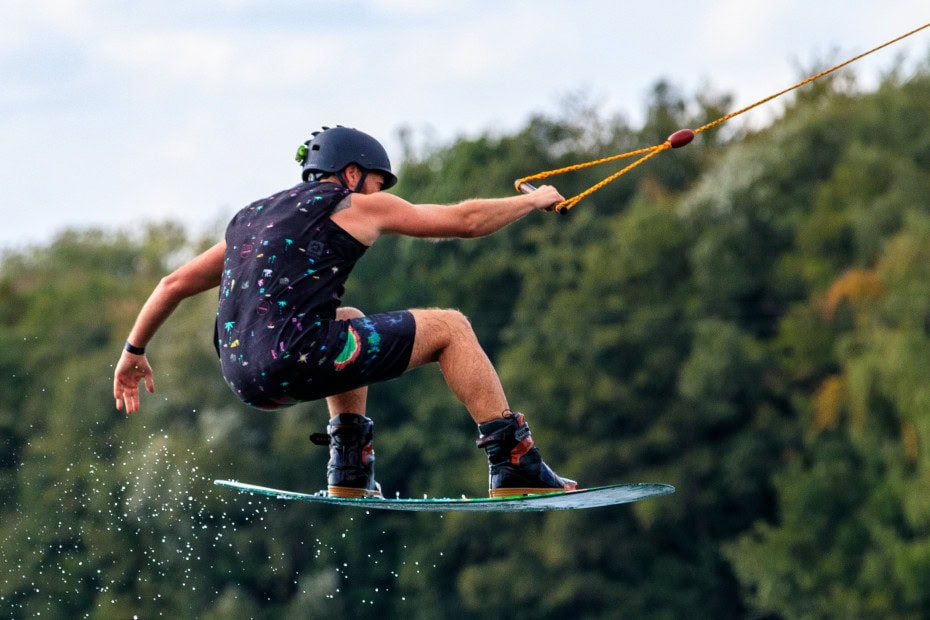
(515, 465)
(446, 336)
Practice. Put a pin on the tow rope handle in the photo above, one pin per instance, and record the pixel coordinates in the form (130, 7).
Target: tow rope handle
(680, 138)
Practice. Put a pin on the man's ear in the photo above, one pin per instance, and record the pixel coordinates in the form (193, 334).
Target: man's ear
(352, 173)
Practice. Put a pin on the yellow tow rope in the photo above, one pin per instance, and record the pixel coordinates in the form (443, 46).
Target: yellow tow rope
(678, 139)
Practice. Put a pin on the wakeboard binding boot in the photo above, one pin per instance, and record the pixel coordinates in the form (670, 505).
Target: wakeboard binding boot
(351, 468)
(516, 467)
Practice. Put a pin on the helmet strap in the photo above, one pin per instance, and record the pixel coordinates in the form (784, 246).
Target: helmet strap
(361, 181)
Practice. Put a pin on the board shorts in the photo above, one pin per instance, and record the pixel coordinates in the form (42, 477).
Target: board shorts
(335, 357)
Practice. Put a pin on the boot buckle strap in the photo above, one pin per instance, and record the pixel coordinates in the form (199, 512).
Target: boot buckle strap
(483, 441)
(320, 439)
(519, 434)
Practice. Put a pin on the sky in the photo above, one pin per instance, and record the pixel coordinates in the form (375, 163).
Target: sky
(115, 114)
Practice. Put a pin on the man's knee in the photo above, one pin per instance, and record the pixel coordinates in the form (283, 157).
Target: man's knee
(436, 331)
(458, 321)
(348, 312)
(451, 323)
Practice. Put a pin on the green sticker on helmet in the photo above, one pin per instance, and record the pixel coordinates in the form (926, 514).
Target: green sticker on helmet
(301, 154)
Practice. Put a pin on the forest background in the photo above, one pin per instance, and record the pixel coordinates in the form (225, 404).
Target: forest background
(746, 318)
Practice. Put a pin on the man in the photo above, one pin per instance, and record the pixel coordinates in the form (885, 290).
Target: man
(283, 337)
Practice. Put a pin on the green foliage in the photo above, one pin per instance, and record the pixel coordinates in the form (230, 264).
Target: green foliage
(747, 319)
(852, 530)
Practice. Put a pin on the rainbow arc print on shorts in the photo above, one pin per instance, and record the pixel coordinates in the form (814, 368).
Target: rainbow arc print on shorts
(350, 351)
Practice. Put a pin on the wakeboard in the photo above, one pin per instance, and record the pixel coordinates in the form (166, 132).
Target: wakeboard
(594, 497)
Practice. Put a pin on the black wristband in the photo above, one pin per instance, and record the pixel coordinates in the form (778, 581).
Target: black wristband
(134, 350)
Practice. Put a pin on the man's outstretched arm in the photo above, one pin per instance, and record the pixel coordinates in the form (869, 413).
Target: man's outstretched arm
(200, 274)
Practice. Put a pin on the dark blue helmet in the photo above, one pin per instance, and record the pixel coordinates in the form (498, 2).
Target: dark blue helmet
(331, 150)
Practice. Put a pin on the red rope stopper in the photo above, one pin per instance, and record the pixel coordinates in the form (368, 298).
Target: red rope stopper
(680, 138)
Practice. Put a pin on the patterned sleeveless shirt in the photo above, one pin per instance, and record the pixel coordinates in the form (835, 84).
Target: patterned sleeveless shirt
(284, 274)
